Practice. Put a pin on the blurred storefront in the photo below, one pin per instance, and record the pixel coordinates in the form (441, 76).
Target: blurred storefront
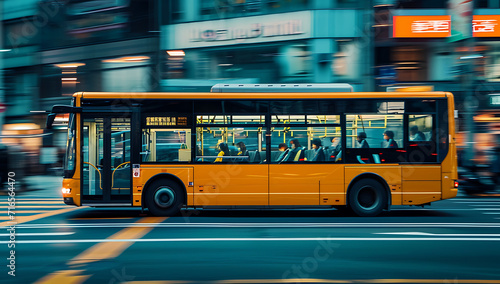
(62, 47)
(415, 44)
(259, 42)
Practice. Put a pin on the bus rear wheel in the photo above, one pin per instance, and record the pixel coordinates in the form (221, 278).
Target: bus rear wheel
(164, 198)
(367, 198)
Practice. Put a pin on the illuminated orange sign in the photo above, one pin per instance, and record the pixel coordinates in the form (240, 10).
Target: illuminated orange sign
(421, 26)
(486, 26)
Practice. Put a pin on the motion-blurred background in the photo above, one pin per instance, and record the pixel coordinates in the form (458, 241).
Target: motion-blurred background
(53, 48)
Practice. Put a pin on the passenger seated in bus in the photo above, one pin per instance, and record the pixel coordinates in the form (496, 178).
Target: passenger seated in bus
(297, 152)
(284, 152)
(416, 135)
(223, 151)
(362, 140)
(319, 153)
(242, 149)
(389, 137)
(335, 147)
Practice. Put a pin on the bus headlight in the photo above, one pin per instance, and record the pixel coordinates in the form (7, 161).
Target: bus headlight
(66, 190)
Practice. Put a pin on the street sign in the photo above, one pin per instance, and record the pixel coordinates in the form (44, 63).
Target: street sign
(3, 107)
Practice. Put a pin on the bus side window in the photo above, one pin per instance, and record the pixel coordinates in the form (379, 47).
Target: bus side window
(374, 138)
(166, 145)
(422, 143)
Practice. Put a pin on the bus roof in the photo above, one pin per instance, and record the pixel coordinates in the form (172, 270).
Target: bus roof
(281, 88)
(291, 95)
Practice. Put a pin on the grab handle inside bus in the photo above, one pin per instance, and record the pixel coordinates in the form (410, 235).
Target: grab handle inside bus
(99, 172)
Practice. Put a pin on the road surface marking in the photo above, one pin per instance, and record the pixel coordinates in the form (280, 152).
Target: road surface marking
(36, 206)
(477, 202)
(112, 250)
(102, 242)
(24, 219)
(486, 209)
(263, 225)
(34, 202)
(65, 276)
(490, 213)
(101, 251)
(437, 235)
(103, 218)
(311, 280)
(39, 234)
(42, 198)
(24, 211)
(469, 199)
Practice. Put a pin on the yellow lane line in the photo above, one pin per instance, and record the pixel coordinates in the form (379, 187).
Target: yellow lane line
(67, 277)
(24, 211)
(103, 218)
(24, 219)
(99, 252)
(60, 202)
(36, 206)
(308, 280)
(111, 250)
(20, 198)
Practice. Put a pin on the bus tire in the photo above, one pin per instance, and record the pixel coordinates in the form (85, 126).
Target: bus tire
(164, 198)
(367, 198)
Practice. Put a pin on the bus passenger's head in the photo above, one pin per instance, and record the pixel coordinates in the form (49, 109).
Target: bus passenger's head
(388, 135)
(316, 143)
(294, 143)
(282, 147)
(224, 148)
(241, 146)
(361, 136)
(413, 130)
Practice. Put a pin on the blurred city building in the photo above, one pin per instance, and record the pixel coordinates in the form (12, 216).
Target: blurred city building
(53, 48)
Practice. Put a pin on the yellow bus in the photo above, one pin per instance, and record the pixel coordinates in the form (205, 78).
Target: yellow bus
(260, 146)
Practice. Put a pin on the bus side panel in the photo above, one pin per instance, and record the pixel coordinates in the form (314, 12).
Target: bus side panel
(391, 174)
(302, 184)
(184, 174)
(231, 185)
(421, 184)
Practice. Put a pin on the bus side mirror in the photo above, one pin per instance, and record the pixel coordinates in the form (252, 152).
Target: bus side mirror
(50, 120)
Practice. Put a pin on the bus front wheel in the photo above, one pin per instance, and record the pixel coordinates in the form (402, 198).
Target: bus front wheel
(164, 198)
(367, 198)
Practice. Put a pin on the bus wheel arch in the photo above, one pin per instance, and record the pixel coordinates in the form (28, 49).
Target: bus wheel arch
(168, 186)
(373, 181)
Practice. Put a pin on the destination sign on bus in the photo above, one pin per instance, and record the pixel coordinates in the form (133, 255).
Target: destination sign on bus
(166, 121)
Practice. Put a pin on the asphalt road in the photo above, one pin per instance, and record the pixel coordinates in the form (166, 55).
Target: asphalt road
(452, 241)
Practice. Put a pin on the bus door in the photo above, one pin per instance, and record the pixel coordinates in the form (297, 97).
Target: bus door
(106, 177)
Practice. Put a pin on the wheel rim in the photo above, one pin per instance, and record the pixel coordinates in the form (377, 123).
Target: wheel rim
(368, 198)
(164, 197)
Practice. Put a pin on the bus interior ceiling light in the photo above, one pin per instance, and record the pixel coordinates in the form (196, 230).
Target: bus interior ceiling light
(70, 65)
(127, 59)
(176, 53)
